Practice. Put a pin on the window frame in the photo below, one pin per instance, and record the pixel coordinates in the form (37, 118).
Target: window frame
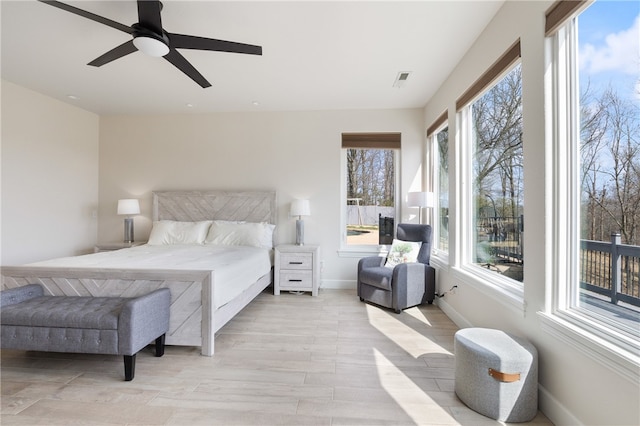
(593, 336)
(367, 141)
(441, 123)
(506, 290)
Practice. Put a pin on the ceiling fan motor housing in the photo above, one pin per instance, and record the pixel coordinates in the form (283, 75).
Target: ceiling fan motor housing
(150, 42)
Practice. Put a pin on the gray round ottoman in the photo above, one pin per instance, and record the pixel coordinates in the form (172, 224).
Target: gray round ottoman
(496, 374)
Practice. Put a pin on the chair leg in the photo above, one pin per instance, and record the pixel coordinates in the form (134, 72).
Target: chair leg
(160, 346)
(129, 367)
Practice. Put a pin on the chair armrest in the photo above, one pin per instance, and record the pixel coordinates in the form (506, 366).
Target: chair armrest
(142, 320)
(16, 295)
(420, 278)
(371, 262)
(411, 273)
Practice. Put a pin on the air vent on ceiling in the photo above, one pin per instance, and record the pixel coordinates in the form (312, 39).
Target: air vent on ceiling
(401, 79)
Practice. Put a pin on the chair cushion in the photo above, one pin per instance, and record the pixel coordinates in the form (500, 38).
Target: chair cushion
(379, 276)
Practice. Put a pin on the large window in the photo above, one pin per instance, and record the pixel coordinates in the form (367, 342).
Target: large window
(494, 171)
(596, 126)
(370, 188)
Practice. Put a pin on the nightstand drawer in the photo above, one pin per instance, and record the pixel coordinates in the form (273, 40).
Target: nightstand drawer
(296, 260)
(296, 279)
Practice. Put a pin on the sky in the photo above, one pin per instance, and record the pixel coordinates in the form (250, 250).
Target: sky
(609, 52)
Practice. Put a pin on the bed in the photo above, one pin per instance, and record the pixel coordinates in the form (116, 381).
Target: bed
(199, 304)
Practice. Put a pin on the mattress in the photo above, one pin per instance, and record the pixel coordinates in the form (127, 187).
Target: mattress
(234, 268)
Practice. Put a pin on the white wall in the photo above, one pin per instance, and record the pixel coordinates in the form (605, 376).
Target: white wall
(575, 388)
(295, 153)
(49, 177)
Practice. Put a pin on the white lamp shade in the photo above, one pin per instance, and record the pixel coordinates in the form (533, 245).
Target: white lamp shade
(420, 199)
(300, 208)
(128, 206)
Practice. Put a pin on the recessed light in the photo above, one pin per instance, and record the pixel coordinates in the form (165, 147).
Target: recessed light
(73, 97)
(189, 105)
(255, 103)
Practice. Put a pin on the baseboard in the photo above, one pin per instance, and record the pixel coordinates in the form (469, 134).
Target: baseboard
(554, 410)
(338, 284)
(453, 315)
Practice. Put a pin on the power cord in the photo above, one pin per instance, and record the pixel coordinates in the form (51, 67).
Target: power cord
(448, 291)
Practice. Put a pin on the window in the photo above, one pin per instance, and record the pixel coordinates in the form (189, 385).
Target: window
(369, 188)
(438, 134)
(492, 118)
(596, 146)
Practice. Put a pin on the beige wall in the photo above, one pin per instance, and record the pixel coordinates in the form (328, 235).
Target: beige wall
(576, 385)
(49, 177)
(295, 153)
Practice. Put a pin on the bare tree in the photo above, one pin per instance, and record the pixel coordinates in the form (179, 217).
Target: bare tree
(370, 176)
(497, 119)
(593, 122)
(610, 153)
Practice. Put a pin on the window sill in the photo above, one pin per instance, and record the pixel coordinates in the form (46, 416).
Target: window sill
(502, 290)
(439, 260)
(364, 251)
(608, 348)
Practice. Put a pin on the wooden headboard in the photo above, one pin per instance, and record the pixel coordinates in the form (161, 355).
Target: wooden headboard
(193, 206)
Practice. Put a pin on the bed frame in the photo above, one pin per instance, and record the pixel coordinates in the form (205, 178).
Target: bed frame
(193, 317)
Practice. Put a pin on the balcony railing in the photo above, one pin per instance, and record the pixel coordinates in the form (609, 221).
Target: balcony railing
(611, 269)
(504, 235)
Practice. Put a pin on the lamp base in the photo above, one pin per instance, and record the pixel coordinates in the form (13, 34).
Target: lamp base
(299, 232)
(128, 230)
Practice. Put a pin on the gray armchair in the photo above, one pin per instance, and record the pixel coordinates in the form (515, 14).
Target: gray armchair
(407, 284)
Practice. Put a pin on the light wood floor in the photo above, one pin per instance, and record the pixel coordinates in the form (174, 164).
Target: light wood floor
(288, 359)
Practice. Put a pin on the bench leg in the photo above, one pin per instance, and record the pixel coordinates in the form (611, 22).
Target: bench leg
(160, 346)
(129, 367)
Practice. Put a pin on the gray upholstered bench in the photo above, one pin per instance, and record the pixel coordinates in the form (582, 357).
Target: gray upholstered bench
(98, 325)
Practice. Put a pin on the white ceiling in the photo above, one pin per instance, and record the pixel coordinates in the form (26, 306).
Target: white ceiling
(316, 55)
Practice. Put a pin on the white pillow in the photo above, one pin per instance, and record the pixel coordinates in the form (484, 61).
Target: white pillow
(167, 232)
(230, 233)
(402, 252)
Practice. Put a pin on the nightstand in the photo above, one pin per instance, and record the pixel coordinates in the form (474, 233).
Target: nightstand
(296, 268)
(115, 246)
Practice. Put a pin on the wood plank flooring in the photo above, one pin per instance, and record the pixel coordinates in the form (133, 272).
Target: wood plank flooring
(284, 360)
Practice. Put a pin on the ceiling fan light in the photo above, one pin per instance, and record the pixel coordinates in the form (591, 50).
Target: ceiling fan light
(150, 46)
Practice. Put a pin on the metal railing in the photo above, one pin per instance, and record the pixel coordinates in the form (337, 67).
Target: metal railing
(505, 235)
(611, 269)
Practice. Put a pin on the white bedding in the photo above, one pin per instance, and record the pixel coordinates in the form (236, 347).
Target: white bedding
(234, 268)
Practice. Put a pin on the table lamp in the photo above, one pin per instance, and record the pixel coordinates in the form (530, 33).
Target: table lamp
(420, 200)
(128, 207)
(300, 208)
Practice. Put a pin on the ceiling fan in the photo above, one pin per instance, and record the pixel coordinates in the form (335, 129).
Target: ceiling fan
(149, 37)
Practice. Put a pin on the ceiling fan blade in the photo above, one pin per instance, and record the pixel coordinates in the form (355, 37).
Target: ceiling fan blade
(89, 15)
(182, 41)
(149, 15)
(183, 65)
(120, 51)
